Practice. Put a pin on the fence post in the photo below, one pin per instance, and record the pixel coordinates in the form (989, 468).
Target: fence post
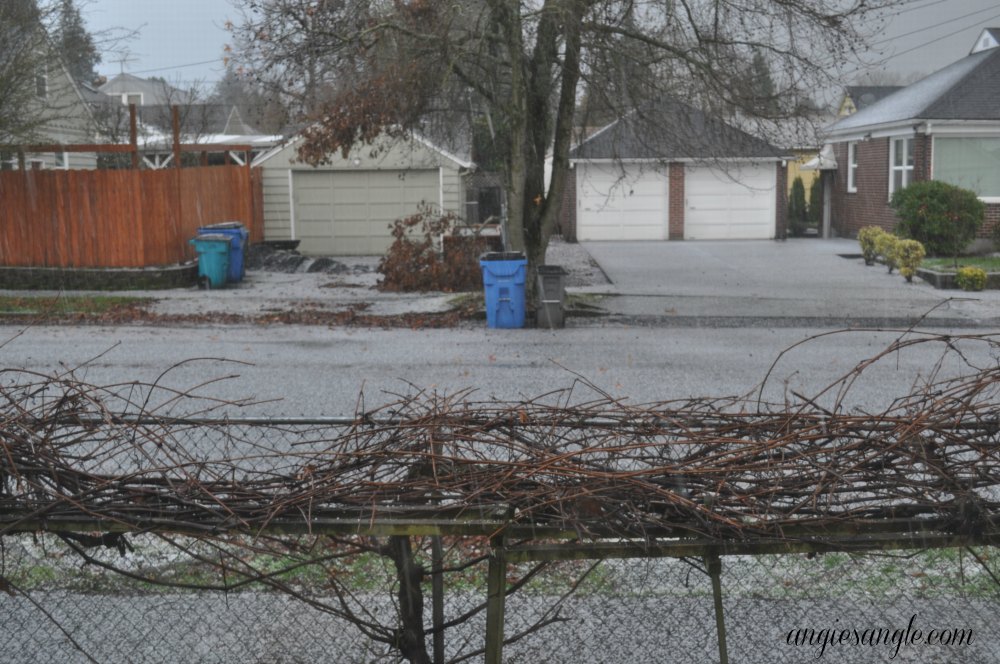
(714, 564)
(496, 591)
(437, 597)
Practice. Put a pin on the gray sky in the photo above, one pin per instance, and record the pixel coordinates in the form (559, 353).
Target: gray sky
(182, 40)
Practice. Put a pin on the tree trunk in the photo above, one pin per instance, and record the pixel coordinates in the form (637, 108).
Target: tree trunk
(410, 636)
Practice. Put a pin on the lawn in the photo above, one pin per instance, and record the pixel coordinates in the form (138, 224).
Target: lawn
(66, 305)
(988, 263)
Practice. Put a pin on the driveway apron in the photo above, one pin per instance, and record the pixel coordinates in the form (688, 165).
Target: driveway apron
(767, 282)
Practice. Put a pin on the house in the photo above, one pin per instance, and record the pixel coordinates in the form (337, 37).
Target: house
(347, 206)
(859, 97)
(130, 89)
(674, 173)
(944, 127)
(60, 116)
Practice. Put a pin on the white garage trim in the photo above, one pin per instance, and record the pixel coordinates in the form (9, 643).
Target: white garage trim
(616, 203)
(737, 202)
(291, 197)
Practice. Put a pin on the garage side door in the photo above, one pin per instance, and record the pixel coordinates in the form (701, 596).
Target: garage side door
(349, 213)
(616, 206)
(733, 204)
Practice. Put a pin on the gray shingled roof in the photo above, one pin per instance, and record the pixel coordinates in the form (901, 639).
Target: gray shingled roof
(864, 96)
(965, 90)
(673, 130)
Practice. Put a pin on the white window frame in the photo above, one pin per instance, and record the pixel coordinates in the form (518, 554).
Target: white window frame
(126, 95)
(852, 167)
(907, 168)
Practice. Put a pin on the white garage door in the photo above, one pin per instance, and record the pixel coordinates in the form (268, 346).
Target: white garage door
(617, 205)
(737, 203)
(348, 213)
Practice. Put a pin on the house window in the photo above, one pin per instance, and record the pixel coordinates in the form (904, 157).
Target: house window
(852, 167)
(41, 81)
(900, 164)
(130, 98)
(970, 163)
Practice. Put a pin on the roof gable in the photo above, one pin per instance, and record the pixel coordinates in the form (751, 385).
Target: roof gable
(989, 38)
(673, 130)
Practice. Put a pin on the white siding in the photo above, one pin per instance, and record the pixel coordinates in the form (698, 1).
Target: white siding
(385, 157)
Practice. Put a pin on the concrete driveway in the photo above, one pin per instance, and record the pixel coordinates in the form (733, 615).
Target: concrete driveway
(797, 280)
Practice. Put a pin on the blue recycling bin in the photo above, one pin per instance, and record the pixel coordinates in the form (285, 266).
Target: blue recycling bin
(503, 280)
(237, 248)
(213, 259)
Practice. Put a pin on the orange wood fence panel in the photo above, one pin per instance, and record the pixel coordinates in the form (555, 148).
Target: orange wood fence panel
(120, 218)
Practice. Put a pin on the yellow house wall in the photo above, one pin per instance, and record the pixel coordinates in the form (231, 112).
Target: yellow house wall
(795, 171)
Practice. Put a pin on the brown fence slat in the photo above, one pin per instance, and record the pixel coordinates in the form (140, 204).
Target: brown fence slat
(120, 218)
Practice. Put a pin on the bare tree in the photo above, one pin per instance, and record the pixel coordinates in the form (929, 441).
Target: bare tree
(523, 66)
(25, 60)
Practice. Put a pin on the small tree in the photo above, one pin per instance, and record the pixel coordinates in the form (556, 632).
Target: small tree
(816, 201)
(868, 239)
(887, 246)
(909, 255)
(943, 217)
(797, 210)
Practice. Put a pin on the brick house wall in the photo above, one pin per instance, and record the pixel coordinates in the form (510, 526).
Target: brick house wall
(869, 205)
(781, 202)
(567, 209)
(675, 202)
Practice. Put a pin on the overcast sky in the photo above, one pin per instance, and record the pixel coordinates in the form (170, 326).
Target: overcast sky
(182, 40)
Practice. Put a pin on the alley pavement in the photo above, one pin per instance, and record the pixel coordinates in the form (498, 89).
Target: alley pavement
(794, 283)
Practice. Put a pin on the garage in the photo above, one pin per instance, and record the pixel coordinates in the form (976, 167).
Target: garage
(351, 212)
(346, 205)
(735, 203)
(617, 204)
(674, 172)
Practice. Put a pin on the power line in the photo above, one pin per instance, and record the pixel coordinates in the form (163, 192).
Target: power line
(941, 38)
(936, 25)
(190, 64)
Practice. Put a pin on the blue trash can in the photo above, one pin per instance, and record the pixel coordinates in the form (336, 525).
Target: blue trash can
(503, 280)
(213, 259)
(237, 248)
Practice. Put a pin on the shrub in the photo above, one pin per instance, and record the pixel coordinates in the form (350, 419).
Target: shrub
(971, 278)
(909, 254)
(867, 237)
(797, 208)
(943, 217)
(816, 201)
(413, 262)
(887, 245)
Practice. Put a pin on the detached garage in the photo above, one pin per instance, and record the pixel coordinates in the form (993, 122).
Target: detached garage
(675, 174)
(347, 207)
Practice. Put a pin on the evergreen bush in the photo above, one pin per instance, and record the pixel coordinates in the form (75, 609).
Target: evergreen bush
(941, 216)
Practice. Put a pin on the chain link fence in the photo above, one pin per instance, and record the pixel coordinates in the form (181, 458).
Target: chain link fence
(932, 606)
(376, 538)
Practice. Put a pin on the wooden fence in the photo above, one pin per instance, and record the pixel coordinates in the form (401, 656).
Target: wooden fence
(119, 218)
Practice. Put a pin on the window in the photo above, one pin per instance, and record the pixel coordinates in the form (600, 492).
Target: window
(971, 163)
(129, 98)
(900, 164)
(852, 167)
(41, 82)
